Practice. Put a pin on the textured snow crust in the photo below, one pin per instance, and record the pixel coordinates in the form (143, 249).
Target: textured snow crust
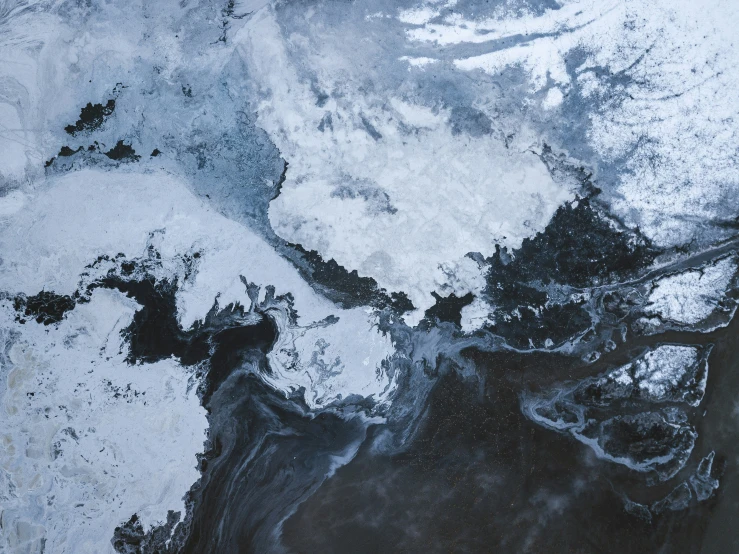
(87, 439)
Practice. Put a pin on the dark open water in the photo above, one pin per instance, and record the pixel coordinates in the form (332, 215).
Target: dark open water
(481, 477)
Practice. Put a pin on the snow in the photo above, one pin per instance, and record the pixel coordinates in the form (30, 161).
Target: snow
(418, 61)
(690, 297)
(77, 460)
(668, 373)
(457, 29)
(541, 59)
(622, 375)
(659, 75)
(151, 442)
(660, 372)
(444, 195)
(89, 213)
(553, 98)
(656, 86)
(476, 315)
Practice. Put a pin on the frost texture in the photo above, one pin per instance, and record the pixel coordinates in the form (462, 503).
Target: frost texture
(415, 133)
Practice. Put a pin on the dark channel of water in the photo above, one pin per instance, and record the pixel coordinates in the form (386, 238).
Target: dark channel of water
(481, 477)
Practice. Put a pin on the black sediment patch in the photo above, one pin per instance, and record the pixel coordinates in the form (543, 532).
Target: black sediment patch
(256, 433)
(347, 288)
(227, 338)
(45, 307)
(582, 247)
(66, 151)
(122, 152)
(449, 308)
(533, 324)
(155, 333)
(265, 449)
(523, 313)
(91, 117)
(533, 288)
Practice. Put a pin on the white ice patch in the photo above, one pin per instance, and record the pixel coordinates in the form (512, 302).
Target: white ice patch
(476, 315)
(660, 372)
(553, 98)
(621, 375)
(541, 58)
(461, 278)
(690, 297)
(88, 440)
(89, 213)
(673, 121)
(392, 204)
(418, 61)
(456, 29)
(146, 443)
(415, 115)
